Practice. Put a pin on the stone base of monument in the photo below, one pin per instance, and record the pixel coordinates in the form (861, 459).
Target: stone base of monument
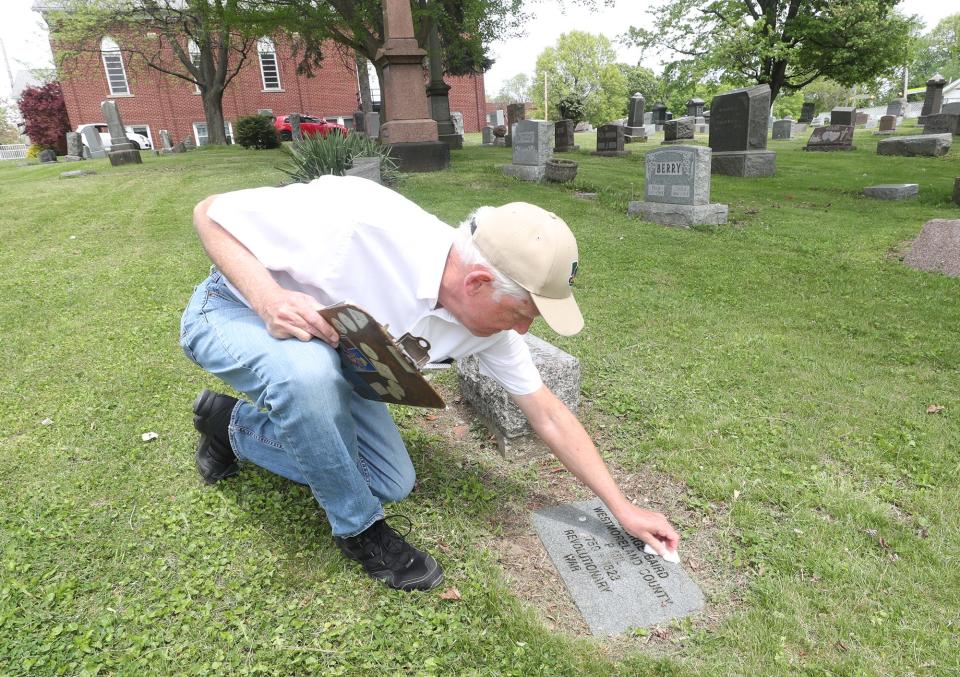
(454, 141)
(674, 142)
(611, 153)
(421, 156)
(499, 141)
(365, 167)
(560, 372)
(892, 191)
(701, 129)
(124, 157)
(749, 163)
(525, 172)
(634, 134)
(682, 216)
(886, 132)
(929, 145)
(566, 149)
(72, 158)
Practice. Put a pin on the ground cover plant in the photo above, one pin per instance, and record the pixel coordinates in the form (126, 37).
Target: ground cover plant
(780, 369)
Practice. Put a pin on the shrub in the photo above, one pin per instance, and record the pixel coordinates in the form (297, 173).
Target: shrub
(571, 108)
(33, 152)
(45, 116)
(257, 131)
(315, 156)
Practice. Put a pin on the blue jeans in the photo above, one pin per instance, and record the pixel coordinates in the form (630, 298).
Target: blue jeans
(305, 422)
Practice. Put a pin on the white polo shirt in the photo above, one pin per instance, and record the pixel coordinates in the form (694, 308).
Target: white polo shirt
(350, 239)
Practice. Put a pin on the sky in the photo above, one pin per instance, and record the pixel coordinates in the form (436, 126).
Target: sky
(25, 38)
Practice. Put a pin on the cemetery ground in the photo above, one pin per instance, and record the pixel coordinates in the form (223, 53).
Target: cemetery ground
(781, 386)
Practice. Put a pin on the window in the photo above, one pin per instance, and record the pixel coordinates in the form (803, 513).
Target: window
(200, 132)
(113, 65)
(268, 65)
(194, 52)
(143, 130)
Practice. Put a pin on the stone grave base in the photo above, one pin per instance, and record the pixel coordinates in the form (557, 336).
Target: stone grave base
(744, 163)
(72, 158)
(421, 156)
(674, 142)
(892, 191)
(525, 172)
(365, 167)
(701, 129)
(930, 145)
(499, 141)
(611, 153)
(454, 141)
(683, 216)
(886, 132)
(827, 147)
(567, 149)
(125, 157)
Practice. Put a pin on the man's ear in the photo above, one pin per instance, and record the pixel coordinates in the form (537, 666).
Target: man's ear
(475, 279)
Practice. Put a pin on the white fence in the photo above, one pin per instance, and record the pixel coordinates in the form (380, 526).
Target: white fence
(14, 151)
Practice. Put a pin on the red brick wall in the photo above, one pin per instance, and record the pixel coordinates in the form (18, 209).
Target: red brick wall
(166, 102)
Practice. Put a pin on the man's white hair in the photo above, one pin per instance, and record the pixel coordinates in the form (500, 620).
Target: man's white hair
(471, 256)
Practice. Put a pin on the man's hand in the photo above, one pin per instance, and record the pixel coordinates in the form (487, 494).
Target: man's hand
(650, 527)
(293, 314)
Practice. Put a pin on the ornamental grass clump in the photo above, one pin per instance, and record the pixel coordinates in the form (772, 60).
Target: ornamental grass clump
(316, 156)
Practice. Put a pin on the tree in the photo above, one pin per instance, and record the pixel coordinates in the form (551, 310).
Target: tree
(204, 42)
(45, 115)
(937, 52)
(514, 90)
(8, 129)
(784, 43)
(583, 65)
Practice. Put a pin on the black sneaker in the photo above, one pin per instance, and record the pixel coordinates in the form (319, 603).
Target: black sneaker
(215, 457)
(386, 556)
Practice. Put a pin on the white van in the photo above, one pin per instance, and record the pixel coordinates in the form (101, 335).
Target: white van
(139, 141)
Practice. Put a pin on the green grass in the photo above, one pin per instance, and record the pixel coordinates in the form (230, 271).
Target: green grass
(786, 356)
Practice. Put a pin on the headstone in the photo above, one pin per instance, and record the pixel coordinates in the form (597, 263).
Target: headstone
(371, 123)
(358, 121)
(166, 144)
(677, 189)
(861, 118)
(647, 118)
(564, 137)
(295, 133)
(560, 372)
(782, 129)
(583, 127)
(669, 115)
(897, 107)
(189, 143)
(94, 143)
(658, 114)
(952, 108)
(457, 118)
(614, 583)
(515, 113)
(634, 130)
(928, 145)
(122, 151)
(610, 140)
(933, 99)
(486, 135)
(180, 147)
(74, 147)
(941, 123)
(807, 112)
(366, 168)
(830, 138)
(892, 191)
(76, 173)
(47, 155)
(843, 116)
(678, 131)
(888, 124)
(695, 107)
(937, 248)
(738, 133)
(532, 147)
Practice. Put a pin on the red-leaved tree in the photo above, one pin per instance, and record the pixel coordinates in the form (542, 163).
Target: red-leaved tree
(45, 115)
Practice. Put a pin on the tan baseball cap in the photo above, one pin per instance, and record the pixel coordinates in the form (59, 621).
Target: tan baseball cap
(535, 249)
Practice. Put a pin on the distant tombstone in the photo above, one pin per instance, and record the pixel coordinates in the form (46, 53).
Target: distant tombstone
(295, 133)
(941, 123)
(892, 191)
(678, 131)
(371, 123)
(861, 118)
(888, 124)
(634, 130)
(843, 116)
(486, 135)
(647, 118)
(738, 133)
(933, 99)
(74, 147)
(563, 137)
(583, 127)
(668, 115)
(166, 144)
(47, 155)
(180, 147)
(515, 113)
(122, 151)
(457, 118)
(897, 107)
(925, 145)
(807, 111)
(782, 130)
(677, 191)
(614, 583)
(610, 140)
(94, 143)
(695, 107)
(359, 120)
(831, 138)
(936, 248)
(532, 147)
(658, 114)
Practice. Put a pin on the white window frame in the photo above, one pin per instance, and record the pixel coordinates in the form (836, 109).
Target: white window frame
(145, 131)
(266, 48)
(194, 51)
(227, 129)
(112, 57)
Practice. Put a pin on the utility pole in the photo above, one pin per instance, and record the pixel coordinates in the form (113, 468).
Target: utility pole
(6, 63)
(546, 116)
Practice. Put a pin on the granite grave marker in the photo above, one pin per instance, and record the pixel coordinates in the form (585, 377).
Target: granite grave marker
(830, 138)
(532, 147)
(122, 151)
(933, 98)
(563, 137)
(738, 133)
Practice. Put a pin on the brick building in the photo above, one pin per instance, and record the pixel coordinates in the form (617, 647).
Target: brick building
(150, 100)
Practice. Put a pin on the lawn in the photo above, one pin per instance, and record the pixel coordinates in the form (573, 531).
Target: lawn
(775, 372)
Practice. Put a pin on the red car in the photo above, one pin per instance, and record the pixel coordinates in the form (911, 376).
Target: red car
(309, 126)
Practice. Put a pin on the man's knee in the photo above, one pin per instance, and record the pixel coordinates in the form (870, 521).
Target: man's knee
(397, 486)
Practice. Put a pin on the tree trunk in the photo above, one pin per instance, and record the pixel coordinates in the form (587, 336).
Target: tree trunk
(383, 93)
(366, 102)
(213, 114)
